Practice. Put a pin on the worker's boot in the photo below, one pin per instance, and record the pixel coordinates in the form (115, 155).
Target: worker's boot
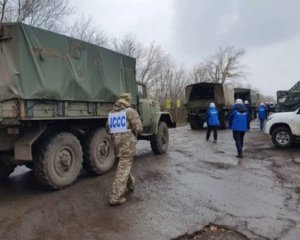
(117, 202)
(130, 184)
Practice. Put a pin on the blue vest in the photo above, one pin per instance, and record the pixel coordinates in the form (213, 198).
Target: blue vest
(240, 122)
(213, 117)
(262, 112)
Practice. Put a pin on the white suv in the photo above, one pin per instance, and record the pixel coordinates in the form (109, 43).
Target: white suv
(284, 127)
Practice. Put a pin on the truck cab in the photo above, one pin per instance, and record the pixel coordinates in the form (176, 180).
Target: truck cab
(155, 122)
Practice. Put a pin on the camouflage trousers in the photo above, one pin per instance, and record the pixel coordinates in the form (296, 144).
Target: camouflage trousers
(124, 180)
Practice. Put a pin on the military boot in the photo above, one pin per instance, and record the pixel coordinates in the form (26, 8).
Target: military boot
(117, 202)
(130, 184)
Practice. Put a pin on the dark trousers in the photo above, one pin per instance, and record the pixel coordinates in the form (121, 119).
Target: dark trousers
(214, 128)
(262, 122)
(239, 141)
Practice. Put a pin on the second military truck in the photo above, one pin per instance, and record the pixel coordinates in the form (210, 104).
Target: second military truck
(198, 97)
(55, 96)
(249, 95)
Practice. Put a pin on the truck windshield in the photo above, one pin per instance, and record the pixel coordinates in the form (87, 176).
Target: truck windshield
(141, 91)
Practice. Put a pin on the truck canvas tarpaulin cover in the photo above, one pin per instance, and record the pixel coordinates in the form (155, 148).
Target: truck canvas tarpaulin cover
(38, 64)
(204, 93)
(200, 95)
(246, 94)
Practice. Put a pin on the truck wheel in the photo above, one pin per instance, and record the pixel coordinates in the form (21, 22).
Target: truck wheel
(160, 141)
(282, 137)
(222, 124)
(57, 162)
(196, 124)
(29, 165)
(7, 165)
(222, 120)
(98, 154)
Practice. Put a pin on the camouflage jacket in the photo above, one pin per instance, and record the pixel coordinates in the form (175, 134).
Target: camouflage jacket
(125, 143)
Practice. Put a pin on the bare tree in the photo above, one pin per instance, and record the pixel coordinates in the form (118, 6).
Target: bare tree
(160, 90)
(177, 84)
(128, 45)
(46, 14)
(2, 8)
(171, 84)
(225, 65)
(150, 59)
(198, 73)
(150, 63)
(86, 30)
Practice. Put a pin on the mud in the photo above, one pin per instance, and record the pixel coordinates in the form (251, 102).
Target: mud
(214, 232)
(194, 184)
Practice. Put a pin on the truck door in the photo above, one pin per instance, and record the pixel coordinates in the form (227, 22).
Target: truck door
(147, 108)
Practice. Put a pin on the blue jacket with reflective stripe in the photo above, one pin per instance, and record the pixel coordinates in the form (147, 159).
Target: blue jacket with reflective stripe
(212, 117)
(240, 121)
(239, 118)
(262, 112)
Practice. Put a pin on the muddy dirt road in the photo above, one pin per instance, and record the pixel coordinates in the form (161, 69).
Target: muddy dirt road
(194, 184)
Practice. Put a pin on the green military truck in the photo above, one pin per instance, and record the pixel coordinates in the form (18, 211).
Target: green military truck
(251, 96)
(200, 95)
(55, 96)
(281, 96)
(289, 101)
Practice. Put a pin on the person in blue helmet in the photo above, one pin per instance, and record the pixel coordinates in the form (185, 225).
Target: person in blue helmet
(239, 120)
(262, 115)
(267, 106)
(272, 108)
(212, 120)
(248, 107)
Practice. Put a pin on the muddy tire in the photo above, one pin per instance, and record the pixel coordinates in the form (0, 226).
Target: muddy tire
(201, 124)
(222, 120)
(7, 165)
(196, 124)
(57, 162)
(98, 154)
(282, 137)
(29, 165)
(160, 141)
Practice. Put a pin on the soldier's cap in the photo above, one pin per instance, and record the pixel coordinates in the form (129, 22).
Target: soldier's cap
(126, 96)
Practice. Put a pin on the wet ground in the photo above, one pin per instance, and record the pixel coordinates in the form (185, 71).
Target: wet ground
(196, 183)
(214, 232)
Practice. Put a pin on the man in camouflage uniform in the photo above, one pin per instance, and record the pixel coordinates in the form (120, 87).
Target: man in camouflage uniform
(124, 144)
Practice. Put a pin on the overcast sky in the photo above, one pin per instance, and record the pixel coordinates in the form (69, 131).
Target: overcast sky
(190, 30)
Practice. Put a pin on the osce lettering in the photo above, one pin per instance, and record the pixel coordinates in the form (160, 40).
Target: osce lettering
(117, 122)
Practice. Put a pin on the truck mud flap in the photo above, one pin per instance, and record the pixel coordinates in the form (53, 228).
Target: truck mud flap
(23, 146)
